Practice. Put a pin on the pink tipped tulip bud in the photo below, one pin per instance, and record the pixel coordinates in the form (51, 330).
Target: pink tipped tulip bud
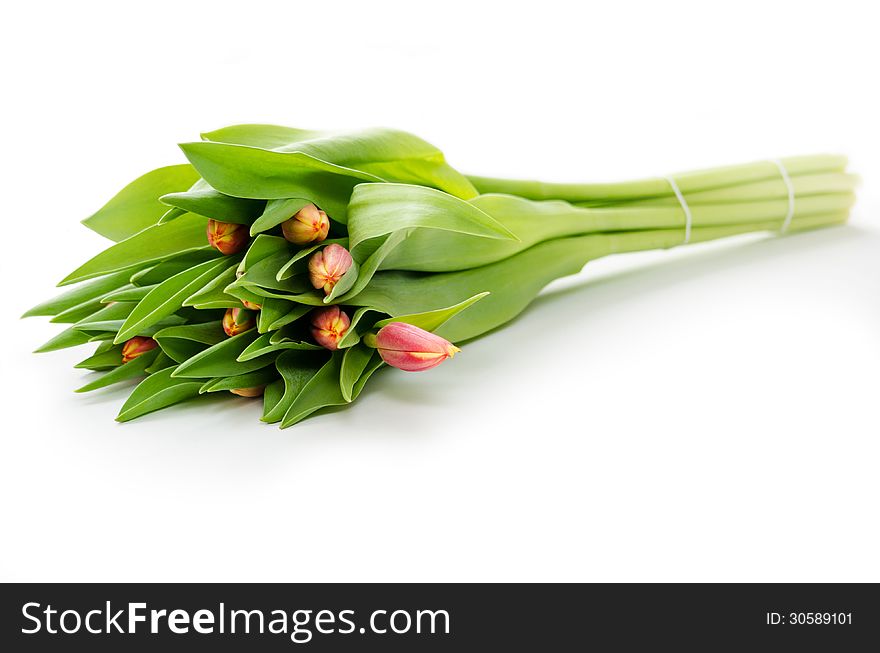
(238, 320)
(137, 346)
(309, 225)
(227, 237)
(249, 392)
(327, 266)
(328, 326)
(250, 305)
(412, 349)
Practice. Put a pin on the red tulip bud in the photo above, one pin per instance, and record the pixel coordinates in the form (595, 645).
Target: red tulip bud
(137, 346)
(328, 326)
(227, 237)
(308, 225)
(327, 266)
(249, 392)
(238, 320)
(250, 305)
(412, 349)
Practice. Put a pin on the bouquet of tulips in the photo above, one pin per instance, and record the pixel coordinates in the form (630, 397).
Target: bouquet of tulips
(294, 264)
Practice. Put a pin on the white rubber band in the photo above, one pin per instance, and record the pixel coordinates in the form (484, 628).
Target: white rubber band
(689, 220)
(790, 188)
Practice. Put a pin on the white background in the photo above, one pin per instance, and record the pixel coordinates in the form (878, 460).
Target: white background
(698, 415)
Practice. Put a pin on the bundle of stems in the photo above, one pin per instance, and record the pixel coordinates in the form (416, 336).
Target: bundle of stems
(293, 264)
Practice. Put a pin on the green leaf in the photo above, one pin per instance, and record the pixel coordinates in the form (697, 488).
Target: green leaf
(130, 370)
(130, 293)
(296, 368)
(213, 294)
(298, 263)
(354, 362)
(84, 292)
(204, 200)
(152, 244)
(353, 334)
(70, 337)
(296, 312)
(107, 355)
(137, 206)
(432, 320)
(166, 298)
(375, 363)
(272, 310)
(221, 359)
(380, 209)
(78, 313)
(248, 380)
(166, 269)
(271, 396)
(321, 391)
(264, 345)
(255, 173)
(276, 212)
(388, 153)
(185, 341)
(161, 362)
(158, 390)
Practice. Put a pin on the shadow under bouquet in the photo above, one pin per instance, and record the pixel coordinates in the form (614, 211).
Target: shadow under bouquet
(294, 264)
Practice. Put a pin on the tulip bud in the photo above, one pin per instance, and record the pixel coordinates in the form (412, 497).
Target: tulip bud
(137, 346)
(328, 326)
(249, 392)
(227, 237)
(327, 266)
(412, 349)
(238, 320)
(308, 225)
(250, 305)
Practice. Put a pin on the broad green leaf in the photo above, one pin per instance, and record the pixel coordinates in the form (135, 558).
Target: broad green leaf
(213, 294)
(353, 335)
(117, 311)
(296, 312)
(256, 173)
(296, 368)
(354, 362)
(185, 341)
(130, 293)
(158, 390)
(375, 364)
(166, 269)
(298, 263)
(161, 362)
(171, 214)
(107, 355)
(166, 298)
(377, 210)
(81, 293)
(321, 391)
(271, 396)
(276, 212)
(137, 206)
(70, 337)
(248, 380)
(152, 244)
(221, 359)
(390, 154)
(204, 200)
(264, 345)
(77, 313)
(371, 265)
(124, 372)
(432, 320)
(272, 310)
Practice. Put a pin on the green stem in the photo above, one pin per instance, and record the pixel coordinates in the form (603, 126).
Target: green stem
(688, 182)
